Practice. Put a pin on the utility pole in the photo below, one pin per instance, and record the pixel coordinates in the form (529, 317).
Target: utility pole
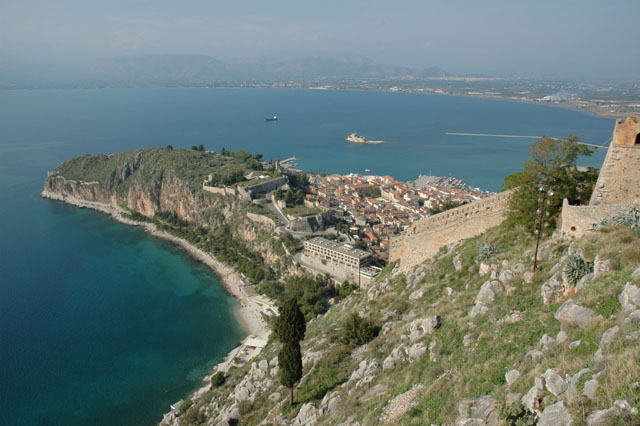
(539, 225)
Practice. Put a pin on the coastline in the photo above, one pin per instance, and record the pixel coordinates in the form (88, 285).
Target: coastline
(248, 312)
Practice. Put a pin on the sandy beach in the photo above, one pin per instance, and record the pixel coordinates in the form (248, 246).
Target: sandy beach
(249, 312)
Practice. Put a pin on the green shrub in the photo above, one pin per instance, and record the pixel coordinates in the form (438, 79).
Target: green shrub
(218, 380)
(517, 415)
(358, 331)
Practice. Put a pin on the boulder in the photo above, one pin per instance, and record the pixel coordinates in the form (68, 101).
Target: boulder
(364, 373)
(307, 415)
(485, 297)
(242, 394)
(605, 341)
(505, 276)
(274, 397)
(562, 338)
(575, 344)
(478, 411)
(600, 267)
(572, 391)
(397, 356)
(555, 383)
(485, 268)
(629, 297)
(585, 281)
(600, 417)
(554, 289)
(511, 377)
(263, 365)
(457, 262)
(590, 388)
(555, 415)
(636, 273)
(534, 355)
(574, 314)
(546, 341)
(417, 351)
(518, 268)
(417, 294)
(423, 326)
(528, 277)
(533, 397)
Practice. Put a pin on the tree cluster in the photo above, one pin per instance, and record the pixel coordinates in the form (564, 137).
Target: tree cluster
(292, 197)
(228, 178)
(551, 167)
(197, 148)
(312, 294)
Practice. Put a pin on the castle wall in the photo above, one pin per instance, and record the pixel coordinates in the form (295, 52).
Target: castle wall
(424, 238)
(619, 179)
(618, 183)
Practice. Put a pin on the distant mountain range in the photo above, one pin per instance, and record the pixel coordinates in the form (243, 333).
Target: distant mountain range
(185, 70)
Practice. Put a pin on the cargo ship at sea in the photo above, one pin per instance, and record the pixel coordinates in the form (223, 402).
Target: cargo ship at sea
(356, 138)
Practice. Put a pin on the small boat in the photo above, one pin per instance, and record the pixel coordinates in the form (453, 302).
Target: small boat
(367, 170)
(274, 118)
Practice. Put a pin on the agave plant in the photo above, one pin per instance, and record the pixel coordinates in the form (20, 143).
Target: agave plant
(577, 268)
(627, 216)
(486, 251)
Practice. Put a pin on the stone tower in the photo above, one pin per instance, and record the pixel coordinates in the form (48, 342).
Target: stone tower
(619, 179)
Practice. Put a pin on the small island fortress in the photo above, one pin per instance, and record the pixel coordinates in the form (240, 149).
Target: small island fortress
(356, 138)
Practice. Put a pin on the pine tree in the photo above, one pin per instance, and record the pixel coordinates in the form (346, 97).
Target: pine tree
(290, 327)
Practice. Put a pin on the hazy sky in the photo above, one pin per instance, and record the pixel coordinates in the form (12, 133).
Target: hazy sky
(588, 38)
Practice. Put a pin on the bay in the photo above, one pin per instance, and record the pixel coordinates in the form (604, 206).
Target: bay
(102, 324)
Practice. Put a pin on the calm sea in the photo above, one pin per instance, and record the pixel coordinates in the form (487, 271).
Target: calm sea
(101, 324)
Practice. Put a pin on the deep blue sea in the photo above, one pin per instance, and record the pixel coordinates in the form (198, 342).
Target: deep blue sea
(102, 324)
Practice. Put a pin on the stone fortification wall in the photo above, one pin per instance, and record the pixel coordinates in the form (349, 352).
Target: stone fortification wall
(263, 188)
(578, 220)
(424, 238)
(618, 184)
(619, 179)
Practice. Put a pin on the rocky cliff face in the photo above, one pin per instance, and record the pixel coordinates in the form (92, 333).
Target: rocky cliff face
(135, 182)
(164, 193)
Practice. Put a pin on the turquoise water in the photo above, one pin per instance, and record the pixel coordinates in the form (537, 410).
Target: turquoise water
(101, 324)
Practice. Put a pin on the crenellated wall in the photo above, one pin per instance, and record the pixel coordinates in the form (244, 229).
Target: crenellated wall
(424, 238)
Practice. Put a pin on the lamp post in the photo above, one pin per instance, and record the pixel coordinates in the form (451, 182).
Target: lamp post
(539, 225)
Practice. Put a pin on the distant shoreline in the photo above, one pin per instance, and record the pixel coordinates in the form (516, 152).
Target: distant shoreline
(567, 105)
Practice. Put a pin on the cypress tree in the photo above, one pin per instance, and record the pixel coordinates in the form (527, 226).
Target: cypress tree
(290, 327)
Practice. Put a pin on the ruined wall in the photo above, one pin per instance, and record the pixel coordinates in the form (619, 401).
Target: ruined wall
(423, 239)
(578, 220)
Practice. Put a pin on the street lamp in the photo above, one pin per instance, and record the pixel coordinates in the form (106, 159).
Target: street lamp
(539, 225)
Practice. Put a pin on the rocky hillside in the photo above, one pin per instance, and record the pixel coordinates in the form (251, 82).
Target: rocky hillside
(471, 337)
